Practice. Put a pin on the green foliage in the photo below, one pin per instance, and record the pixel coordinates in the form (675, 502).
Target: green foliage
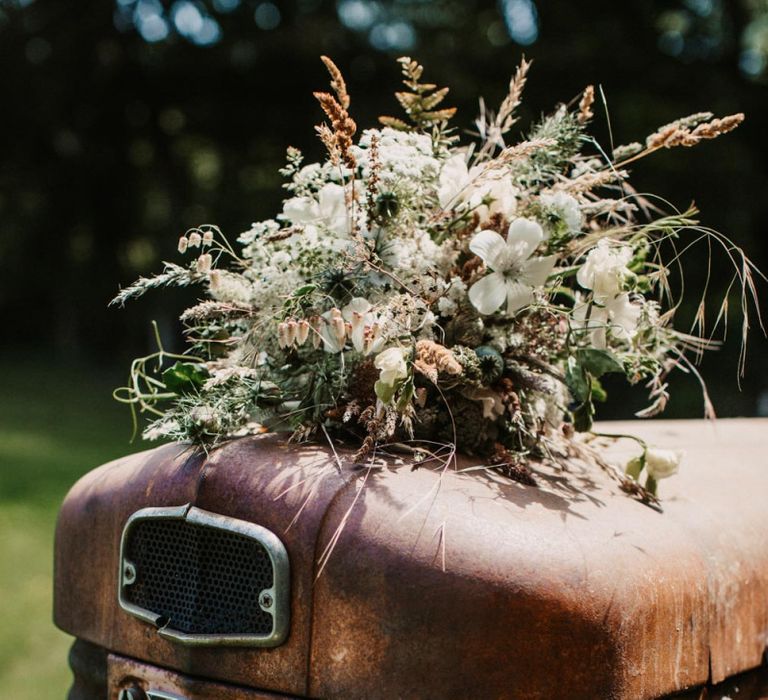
(185, 377)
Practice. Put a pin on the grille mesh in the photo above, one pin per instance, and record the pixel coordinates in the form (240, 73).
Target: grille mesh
(204, 580)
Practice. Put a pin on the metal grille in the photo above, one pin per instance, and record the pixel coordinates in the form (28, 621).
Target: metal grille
(202, 580)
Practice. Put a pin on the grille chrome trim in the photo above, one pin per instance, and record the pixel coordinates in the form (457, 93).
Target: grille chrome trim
(278, 596)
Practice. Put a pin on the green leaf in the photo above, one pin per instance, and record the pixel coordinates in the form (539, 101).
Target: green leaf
(303, 291)
(576, 379)
(384, 391)
(635, 466)
(582, 417)
(598, 362)
(185, 377)
(405, 396)
(598, 393)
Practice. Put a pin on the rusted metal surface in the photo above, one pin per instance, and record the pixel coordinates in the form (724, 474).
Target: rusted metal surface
(445, 584)
(264, 480)
(144, 678)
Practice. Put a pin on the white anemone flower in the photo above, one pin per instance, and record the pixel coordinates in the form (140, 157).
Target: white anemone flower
(515, 274)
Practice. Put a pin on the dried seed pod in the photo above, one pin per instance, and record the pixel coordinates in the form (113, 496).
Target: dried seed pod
(491, 363)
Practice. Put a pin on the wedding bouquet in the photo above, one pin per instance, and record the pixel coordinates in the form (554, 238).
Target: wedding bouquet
(420, 294)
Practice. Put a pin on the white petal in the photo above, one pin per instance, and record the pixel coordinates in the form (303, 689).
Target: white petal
(624, 316)
(300, 210)
(536, 270)
(453, 179)
(358, 304)
(332, 200)
(518, 296)
(490, 246)
(524, 235)
(488, 294)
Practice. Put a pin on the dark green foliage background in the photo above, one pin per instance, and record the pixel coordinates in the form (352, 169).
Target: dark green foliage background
(110, 146)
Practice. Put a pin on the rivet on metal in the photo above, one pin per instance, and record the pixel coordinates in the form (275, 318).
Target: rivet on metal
(265, 599)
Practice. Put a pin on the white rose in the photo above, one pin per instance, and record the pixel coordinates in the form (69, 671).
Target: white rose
(391, 363)
(662, 463)
(605, 269)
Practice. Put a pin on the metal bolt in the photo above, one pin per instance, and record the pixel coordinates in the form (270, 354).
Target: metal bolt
(265, 599)
(129, 575)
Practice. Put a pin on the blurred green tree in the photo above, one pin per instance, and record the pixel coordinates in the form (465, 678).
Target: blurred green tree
(123, 124)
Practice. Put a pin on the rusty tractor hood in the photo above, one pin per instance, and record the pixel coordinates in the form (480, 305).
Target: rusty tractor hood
(443, 584)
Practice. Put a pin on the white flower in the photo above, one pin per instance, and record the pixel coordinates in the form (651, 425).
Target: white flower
(355, 320)
(605, 269)
(515, 275)
(391, 365)
(333, 331)
(363, 323)
(565, 206)
(617, 314)
(329, 209)
(459, 184)
(662, 463)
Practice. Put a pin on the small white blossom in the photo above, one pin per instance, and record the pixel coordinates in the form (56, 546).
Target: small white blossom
(605, 269)
(329, 209)
(617, 315)
(183, 243)
(565, 206)
(515, 274)
(195, 239)
(459, 184)
(661, 463)
(391, 365)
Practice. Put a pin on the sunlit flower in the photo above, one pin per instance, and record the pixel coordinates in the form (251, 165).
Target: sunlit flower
(355, 321)
(515, 274)
(661, 463)
(486, 195)
(565, 206)
(617, 315)
(329, 209)
(391, 365)
(605, 269)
